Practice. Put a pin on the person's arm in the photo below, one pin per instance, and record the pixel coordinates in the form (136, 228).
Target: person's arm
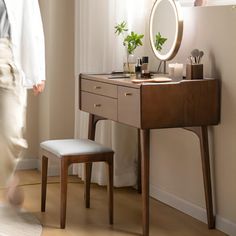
(33, 47)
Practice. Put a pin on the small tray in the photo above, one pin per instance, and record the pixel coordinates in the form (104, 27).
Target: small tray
(153, 80)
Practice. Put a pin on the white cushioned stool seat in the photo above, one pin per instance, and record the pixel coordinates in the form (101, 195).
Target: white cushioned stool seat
(67, 152)
(73, 147)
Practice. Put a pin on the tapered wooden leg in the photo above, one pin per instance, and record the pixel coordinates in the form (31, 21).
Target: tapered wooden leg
(64, 175)
(207, 176)
(91, 126)
(87, 181)
(202, 134)
(88, 166)
(139, 183)
(44, 182)
(145, 142)
(110, 190)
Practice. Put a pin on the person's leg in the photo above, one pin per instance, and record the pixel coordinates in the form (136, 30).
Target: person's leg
(12, 115)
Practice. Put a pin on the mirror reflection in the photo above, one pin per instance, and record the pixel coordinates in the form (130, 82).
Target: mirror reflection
(166, 28)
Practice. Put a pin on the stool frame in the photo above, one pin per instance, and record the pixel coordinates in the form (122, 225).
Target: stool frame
(66, 161)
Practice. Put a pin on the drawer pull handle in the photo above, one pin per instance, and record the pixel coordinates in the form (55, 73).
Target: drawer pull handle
(128, 94)
(97, 87)
(97, 105)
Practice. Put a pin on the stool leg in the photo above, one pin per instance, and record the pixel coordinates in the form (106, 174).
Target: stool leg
(44, 182)
(110, 190)
(88, 172)
(64, 175)
(88, 166)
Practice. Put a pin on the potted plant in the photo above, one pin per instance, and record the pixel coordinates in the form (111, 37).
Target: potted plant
(131, 41)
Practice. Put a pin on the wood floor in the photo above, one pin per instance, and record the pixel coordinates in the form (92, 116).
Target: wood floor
(165, 221)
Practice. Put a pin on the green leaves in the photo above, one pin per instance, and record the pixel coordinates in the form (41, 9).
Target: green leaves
(121, 28)
(132, 40)
(159, 41)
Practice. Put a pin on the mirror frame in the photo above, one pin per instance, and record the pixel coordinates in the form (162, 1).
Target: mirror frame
(179, 30)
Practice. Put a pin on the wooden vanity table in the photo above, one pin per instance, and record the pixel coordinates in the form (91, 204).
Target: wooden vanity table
(190, 104)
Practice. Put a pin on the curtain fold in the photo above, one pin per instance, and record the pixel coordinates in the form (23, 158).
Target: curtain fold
(99, 50)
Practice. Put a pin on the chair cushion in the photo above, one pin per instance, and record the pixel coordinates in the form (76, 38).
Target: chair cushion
(73, 147)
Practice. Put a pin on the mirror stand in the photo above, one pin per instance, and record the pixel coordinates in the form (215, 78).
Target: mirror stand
(164, 67)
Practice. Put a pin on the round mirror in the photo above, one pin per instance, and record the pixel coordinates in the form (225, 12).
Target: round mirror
(166, 28)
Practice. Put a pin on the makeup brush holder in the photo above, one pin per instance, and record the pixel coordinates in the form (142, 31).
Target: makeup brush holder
(194, 71)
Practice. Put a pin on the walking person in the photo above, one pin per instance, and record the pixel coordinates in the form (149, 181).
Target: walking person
(22, 66)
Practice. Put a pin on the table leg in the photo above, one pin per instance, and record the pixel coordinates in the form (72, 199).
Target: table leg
(139, 184)
(202, 134)
(88, 166)
(207, 175)
(145, 146)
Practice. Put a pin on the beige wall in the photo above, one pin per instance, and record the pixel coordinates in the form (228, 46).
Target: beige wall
(53, 111)
(175, 154)
(56, 106)
(51, 115)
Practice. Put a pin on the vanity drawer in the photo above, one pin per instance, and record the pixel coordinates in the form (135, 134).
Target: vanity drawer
(100, 88)
(129, 106)
(99, 105)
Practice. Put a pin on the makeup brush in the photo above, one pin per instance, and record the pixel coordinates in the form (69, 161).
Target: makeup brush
(201, 54)
(195, 54)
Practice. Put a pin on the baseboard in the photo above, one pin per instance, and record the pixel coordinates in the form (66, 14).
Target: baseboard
(33, 163)
(28, 164)
(54, 170)
(225, 226)
(196, 212)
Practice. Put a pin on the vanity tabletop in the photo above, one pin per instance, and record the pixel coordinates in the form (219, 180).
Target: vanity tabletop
(126, 80)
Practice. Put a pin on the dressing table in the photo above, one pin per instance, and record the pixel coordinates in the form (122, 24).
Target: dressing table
(191, 104)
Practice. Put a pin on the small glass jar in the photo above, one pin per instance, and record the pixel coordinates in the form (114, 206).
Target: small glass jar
(129, 64)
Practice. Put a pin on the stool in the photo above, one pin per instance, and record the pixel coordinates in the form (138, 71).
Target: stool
(69, 151)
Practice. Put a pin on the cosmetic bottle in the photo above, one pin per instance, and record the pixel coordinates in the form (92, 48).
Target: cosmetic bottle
(138, 69)
(145, 67)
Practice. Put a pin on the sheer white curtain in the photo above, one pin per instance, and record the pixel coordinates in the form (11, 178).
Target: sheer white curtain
(99, 50)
